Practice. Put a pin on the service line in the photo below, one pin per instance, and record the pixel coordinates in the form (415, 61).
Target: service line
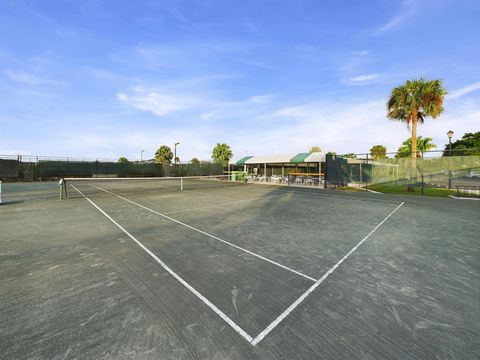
(210, 235)
(283, 315)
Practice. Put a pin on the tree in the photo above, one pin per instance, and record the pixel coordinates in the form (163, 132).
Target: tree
(423, 144)
(315, 149)
(332, 153)
(164, 155)
(222, 153)
(123, 160)
(350, 156)
(378, 152)
(195, 161)
(469, 144)
(413, 102)
(177, 160)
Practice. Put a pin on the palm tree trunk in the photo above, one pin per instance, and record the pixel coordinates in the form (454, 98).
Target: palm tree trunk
(414, 134)
(414, 145)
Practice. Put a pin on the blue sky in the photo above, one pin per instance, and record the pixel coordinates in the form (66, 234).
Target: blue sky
(109, 78)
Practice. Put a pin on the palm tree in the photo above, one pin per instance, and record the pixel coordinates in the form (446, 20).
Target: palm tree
(423, 144)
(378, 152)
(413, 102)
(222, 153)
(164, 155)
(195, 161)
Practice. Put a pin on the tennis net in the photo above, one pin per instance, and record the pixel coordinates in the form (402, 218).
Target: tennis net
(78, 187)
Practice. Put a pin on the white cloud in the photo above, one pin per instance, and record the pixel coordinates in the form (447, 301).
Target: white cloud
(261, 99)
(395, 21)
(351, 126)
(364, 77)
(183, 55)
(407, 11)
(360, 52)
(207, 116)
(28, 78)
(339, 125)
(156, 102)
(22, 77)
(457, 93)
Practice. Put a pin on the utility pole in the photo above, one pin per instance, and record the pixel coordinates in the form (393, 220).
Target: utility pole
(175, 152)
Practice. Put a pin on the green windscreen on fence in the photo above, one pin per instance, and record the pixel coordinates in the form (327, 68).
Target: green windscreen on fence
(433, 171)
(49, 169)
(9, 168)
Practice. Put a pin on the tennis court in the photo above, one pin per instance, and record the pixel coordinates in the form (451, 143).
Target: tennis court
(145, 270)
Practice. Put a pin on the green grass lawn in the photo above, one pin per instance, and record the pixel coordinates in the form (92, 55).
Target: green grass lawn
(402, 189)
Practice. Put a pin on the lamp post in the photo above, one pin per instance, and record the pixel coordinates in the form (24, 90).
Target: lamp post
(141, 155)
(450, 134)
(175, 152)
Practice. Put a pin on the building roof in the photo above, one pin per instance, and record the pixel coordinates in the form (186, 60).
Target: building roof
(281, 159)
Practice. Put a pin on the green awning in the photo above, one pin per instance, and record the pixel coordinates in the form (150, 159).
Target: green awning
(242, 160)
(299, 158)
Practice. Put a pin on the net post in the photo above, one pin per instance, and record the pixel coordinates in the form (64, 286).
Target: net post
(181, 183)
(60, 188)
(0, 192)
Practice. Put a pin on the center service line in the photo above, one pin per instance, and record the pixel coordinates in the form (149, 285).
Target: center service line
(224, 317)
(211, 236)
(282, 316)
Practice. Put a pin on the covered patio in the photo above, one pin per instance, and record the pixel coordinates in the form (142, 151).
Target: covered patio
(288, 169)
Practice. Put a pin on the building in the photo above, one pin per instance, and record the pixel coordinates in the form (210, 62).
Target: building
(281, 167)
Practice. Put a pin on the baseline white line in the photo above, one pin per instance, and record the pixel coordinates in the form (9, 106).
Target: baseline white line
(224, 317)
(211, 236)
(283, 315)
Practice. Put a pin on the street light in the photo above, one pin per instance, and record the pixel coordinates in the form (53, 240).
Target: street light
(450, 134)
(141, 155)
(175, 152)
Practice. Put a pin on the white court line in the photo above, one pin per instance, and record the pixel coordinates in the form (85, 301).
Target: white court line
(210, 235)
(316, 194)
(204, 207)
(238, 329)
(224, 317)
(283, 315)
(219, 205)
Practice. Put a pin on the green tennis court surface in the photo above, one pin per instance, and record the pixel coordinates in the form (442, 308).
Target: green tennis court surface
(236, 272)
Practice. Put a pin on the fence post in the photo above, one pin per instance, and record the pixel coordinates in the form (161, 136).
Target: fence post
(366, 177)
(421, 172)
(360, 172)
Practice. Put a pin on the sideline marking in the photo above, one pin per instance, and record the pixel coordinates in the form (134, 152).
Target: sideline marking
(211, 236)
(238, 329)
(224, 317)
(283, 315)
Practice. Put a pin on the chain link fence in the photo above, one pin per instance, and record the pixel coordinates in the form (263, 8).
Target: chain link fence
(42, 168)
(427, 170)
